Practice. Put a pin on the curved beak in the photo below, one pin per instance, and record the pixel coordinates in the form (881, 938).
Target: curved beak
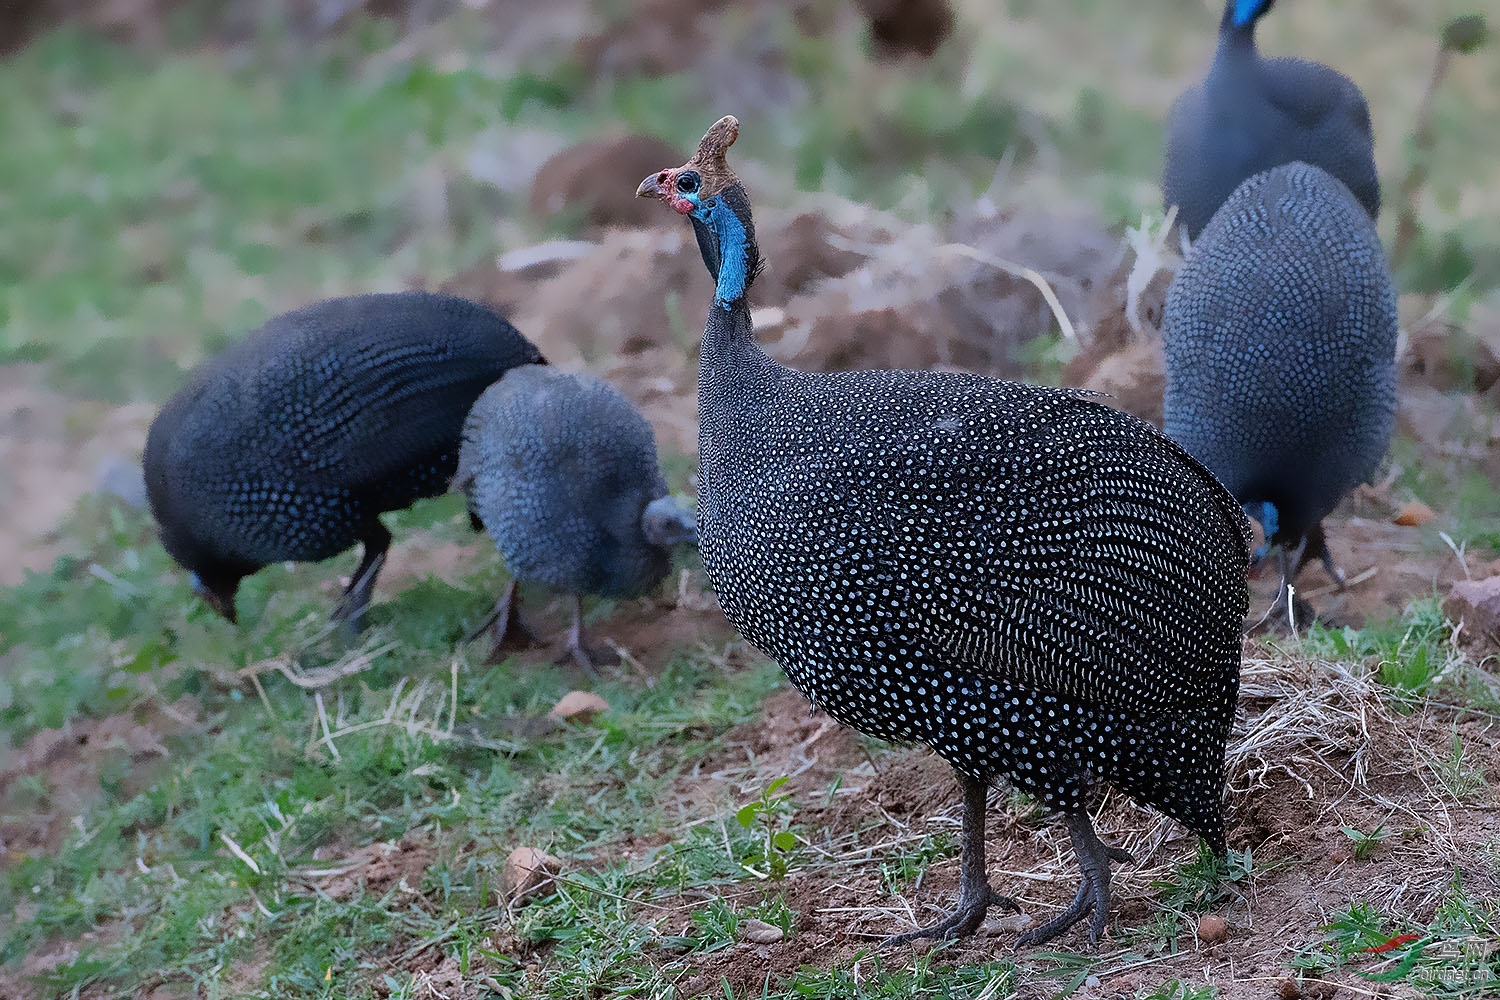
(222, 603)
(651, 186)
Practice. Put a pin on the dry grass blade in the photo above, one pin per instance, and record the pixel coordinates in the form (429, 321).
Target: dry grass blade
(1020, 271)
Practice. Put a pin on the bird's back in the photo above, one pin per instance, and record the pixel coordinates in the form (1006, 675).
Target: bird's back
(1036, 535)
(560, 469)
(1252, 114)
(1280, 333)
(281, 446)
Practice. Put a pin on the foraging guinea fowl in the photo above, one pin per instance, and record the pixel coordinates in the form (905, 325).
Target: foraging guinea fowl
(1030, 582)
(1280, 337)
(1251, 114)
(562, 472)
(289, 445)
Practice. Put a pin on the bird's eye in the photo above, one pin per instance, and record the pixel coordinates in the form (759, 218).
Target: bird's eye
(687, 181)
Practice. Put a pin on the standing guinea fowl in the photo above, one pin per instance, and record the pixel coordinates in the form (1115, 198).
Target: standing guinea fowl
(1251, 114)
(1030, 582)
(562, 472)
(289, 445)
(1280, 338)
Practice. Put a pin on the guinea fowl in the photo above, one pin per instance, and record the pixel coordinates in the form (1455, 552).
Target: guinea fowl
(1251, 114)
(1032, 583)
(289, 445)
(562, 472)
(1280, 338)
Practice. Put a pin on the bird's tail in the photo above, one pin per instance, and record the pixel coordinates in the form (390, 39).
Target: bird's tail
(1181, 771)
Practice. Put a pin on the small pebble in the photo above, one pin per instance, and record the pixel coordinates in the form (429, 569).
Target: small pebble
(579, 706)
(760, 932)
(526, 871)
(1415, 514)
(1212, 929)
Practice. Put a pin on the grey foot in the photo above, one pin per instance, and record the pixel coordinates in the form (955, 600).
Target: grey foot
(1093, 889)
(966, 918)
(975, 896)
(505, 628)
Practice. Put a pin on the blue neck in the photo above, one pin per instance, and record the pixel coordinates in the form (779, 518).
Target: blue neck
(1245, 12)
(733, 264)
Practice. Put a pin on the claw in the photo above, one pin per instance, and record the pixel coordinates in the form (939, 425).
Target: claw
(975, 895)
(1093, 887)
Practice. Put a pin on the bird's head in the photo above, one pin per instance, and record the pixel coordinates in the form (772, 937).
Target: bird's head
(706, 191)
(218, 589)
(1270, 525)
(1244, 13)
(666, 523)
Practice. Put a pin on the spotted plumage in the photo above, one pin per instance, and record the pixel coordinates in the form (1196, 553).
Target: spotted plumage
(288, 446)
(1251, 114)
(1032, 583)
(1280, 335)
(562, 471)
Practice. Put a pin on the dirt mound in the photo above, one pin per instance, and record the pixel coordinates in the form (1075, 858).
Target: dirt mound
(583, 182)
(1121, 349)
(68, 770)
(926, 298)
(734, 51)
(901, 27)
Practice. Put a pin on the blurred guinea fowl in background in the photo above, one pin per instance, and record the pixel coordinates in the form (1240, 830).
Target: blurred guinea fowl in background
(1032, 583)
(1251, 114)
(562, 471)
(1280, 338)
(290, 444)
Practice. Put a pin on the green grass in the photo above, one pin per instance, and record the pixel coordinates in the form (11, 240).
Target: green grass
(419, 753)
(1453, 954)
(158, 204)
(1417, 656)
(157, 207)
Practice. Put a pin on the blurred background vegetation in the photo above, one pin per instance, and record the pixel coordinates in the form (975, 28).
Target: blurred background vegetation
(175, 171)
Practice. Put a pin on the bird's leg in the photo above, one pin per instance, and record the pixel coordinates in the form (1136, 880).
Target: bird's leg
(1093, 889)
(975, 896)
(351, 607)
(1317, 548)
(1286, 600)
(504, 626)
(577, 651)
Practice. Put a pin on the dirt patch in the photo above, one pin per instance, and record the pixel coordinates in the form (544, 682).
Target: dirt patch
(640, 637)
(53, 450)
(52, 780)
(376, 868)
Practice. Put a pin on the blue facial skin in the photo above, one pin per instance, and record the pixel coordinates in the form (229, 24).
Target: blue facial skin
(717, 215)
(1246, 11)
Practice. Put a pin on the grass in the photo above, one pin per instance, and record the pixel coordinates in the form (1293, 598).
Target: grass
(210, 860)
(1454, 954)
(277, 812)
(224, 872)
(158, 206)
